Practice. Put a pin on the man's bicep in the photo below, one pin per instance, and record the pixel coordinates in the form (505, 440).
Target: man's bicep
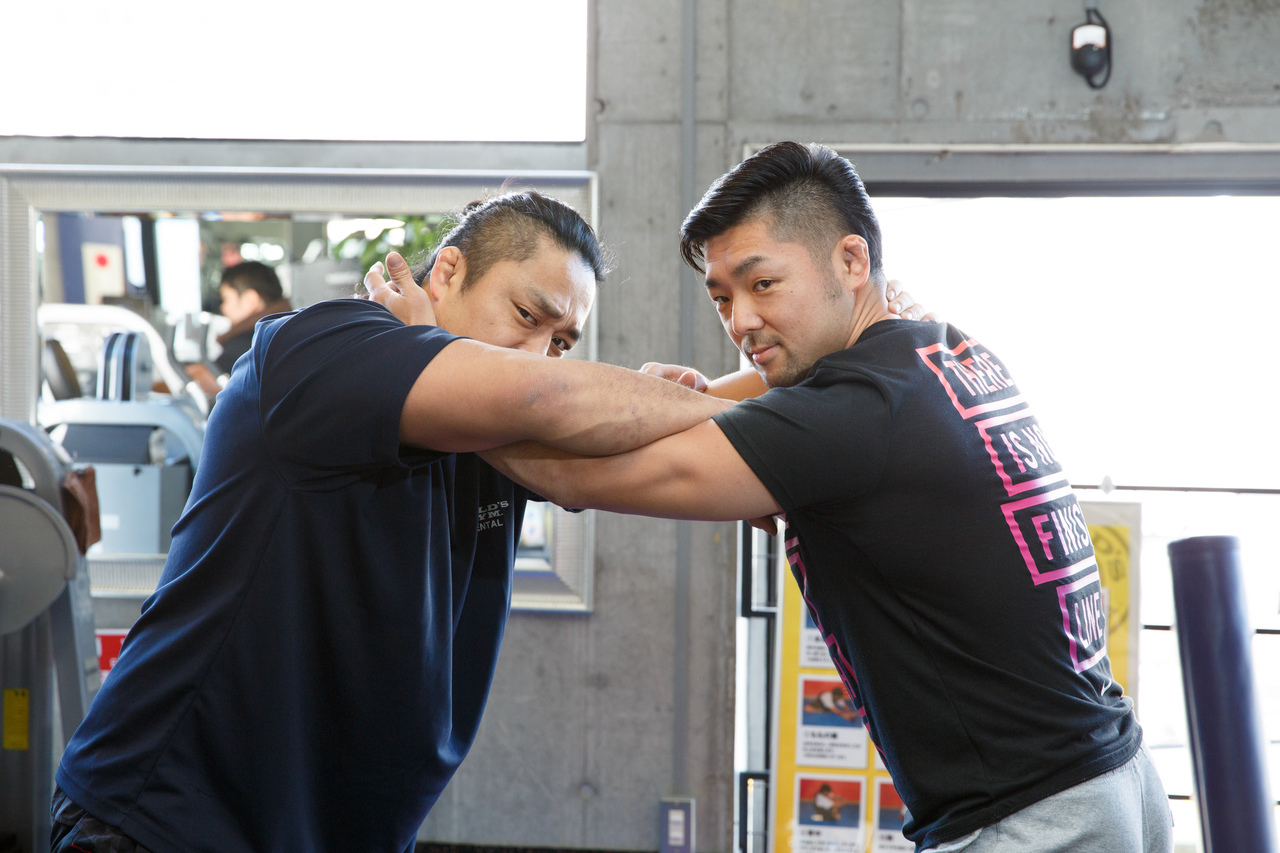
(468, 398)
(813, 445)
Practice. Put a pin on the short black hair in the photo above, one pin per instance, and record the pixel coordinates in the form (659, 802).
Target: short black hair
(509, 227)
(251, 275)
(810, 193)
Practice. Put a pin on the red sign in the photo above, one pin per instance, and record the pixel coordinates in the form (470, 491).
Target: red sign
(109, 643)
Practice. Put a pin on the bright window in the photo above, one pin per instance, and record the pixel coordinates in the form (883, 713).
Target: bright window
(1140, 331)
(1139, 328)
(485, 70)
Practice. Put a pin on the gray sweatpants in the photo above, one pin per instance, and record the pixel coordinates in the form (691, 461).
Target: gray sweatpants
(1123, 811)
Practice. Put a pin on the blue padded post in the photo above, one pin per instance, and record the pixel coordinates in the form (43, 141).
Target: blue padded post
(1215, 644)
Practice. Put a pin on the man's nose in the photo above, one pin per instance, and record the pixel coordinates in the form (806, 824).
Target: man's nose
(744, 318)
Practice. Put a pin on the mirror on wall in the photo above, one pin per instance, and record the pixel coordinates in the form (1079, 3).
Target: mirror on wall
(126, 331)
(167, 268)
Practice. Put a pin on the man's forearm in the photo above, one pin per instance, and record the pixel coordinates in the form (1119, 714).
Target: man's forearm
(473, 396)
(600, 409)
(695, 474)
(576, 482)
(549, 472)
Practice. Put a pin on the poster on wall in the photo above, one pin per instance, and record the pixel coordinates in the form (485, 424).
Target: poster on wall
(890, 816)
(820, 740)
(1116, 532)
(103, 266)
(830, 731)
(828, 814)
(813, 649)
(109, 642)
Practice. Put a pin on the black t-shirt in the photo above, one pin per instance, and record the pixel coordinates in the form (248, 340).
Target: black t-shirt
(946, 561)
(313, 666)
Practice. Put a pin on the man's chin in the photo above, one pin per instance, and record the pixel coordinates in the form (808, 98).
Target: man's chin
(781, 379)
(782, 371)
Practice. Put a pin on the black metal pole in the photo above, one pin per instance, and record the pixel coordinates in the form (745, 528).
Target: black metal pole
(1227, 747)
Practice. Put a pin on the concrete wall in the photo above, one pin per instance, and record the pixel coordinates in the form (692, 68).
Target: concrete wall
(578, 743)
(996, 71)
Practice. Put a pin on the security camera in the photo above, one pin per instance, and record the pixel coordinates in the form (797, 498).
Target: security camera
(1091, 49)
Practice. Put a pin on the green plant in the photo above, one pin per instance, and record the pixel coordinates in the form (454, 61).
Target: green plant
(421, 233)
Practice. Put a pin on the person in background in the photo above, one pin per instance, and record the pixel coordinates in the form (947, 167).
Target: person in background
(249, 292)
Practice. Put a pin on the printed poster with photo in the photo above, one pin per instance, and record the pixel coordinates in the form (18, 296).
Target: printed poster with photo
(813, 649)
(830, 731)
(828, 814)
(890, 816)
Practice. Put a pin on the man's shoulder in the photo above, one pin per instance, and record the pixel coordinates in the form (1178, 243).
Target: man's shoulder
(885, 348)
(333, 324)
(325, 314)
(895, 336)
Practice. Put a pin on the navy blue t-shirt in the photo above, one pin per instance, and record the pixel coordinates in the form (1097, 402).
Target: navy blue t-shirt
(944, 558)
(313, 666)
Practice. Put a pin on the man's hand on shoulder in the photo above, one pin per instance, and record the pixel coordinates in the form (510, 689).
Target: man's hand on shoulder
(400, 293)
(904, 306)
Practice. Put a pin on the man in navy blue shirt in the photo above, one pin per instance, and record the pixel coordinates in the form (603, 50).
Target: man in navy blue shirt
(930, 526)
(313, 665)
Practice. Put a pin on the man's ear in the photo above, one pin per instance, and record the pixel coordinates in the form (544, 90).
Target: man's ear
(447, 274)
(252, 302)
(853, 261)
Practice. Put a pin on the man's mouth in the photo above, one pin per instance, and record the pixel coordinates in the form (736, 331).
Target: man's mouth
(759, 354)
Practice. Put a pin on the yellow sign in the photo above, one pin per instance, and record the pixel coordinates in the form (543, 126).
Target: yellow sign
(1111, 546)
(17, 719)
(832, 792)
(1116, 531)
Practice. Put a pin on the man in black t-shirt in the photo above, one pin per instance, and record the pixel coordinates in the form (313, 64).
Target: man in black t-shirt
(930, 527)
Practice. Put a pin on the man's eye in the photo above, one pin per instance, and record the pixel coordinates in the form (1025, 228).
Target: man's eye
(529, 318)
(560, 344)
(763, 283)
(720, 300)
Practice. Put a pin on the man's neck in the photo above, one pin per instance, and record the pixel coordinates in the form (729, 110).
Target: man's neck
(868, 311)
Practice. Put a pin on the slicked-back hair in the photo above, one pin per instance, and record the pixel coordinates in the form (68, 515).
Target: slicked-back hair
(251, 275)
(809, 193)
(509, 227)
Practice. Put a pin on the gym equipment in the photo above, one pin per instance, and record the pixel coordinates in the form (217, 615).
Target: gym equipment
(46, 630)
(144, 448)
(80, 331)
(1227, 747)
